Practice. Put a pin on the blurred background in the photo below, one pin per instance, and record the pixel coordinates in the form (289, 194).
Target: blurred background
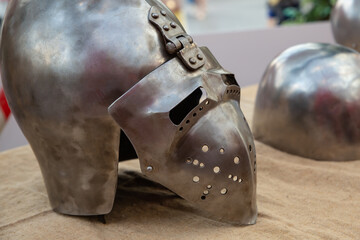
(211, 16)
(244, 35)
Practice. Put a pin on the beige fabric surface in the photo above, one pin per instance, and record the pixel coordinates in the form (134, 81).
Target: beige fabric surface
(298, 198)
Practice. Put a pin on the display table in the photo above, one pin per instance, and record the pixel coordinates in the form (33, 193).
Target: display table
(298, 198)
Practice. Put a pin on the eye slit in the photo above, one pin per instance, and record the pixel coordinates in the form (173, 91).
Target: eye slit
(181, 110)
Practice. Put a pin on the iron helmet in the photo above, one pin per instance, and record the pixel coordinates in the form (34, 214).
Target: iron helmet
(94, 82)
(308, 102)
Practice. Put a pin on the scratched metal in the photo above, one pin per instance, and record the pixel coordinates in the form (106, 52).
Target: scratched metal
(209, 157)
(63, 63)
(308, 102)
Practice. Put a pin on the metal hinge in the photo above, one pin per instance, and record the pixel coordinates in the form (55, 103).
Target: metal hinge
(176, 39)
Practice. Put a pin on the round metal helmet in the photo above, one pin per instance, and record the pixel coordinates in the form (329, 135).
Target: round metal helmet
(308, 102)
(94, 82)
(345, 22)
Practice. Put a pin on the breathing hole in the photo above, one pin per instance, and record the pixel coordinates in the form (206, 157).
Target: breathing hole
(222, 151)
(194, 115)
(223, 191)
(180, 111)
(216, 169)
(206, 192)
(196, 162)
(205, 148)
(203, 197)
(196, 179)
(187, 121)
(250, 148)
(189, 160)
(200, 109)
(236, 160)
(180, 129)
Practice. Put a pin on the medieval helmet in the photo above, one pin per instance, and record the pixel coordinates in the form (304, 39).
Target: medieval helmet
(67, 64)
(345, 23)
(308, 102)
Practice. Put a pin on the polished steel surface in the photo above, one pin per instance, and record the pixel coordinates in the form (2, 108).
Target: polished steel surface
(63, 63)
(308, 102)
(208, 157)
(345, 22)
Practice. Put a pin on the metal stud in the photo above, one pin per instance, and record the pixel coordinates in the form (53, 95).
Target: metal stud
(200, 57)
(192, 60)
(166, 28)
(173, 25)
(163, 12)
(149, 168)
(171, 47)
(190, 39)
(155, 15)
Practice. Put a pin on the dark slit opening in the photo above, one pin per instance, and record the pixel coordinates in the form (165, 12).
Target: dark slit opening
(179, 112)
(126, 149)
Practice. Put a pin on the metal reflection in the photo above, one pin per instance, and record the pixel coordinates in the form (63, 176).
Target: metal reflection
(308, 102)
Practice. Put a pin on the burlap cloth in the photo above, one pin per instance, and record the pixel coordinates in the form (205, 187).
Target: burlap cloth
(297, 198)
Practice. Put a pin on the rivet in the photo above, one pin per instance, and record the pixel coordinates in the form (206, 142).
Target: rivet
(200, 57)
(171, 47)
(206, 192)
(190, 39)
(163, 12)
(149, 168)
(155, 15)
(192, 60)
(173, 25)
(166, 28)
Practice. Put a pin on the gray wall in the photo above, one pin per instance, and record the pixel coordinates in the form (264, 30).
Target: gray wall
(245, 53)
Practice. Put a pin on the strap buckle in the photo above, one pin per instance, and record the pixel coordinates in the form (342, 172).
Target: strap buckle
(176, 39)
